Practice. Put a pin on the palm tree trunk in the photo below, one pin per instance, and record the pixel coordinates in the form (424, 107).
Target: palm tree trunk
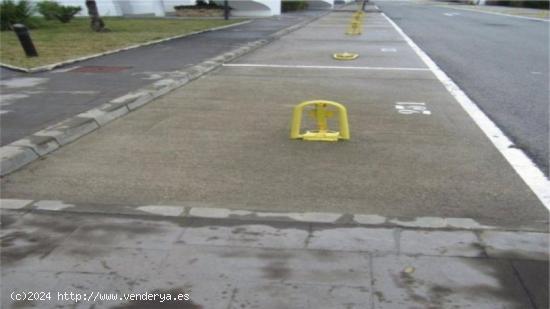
(96, 23)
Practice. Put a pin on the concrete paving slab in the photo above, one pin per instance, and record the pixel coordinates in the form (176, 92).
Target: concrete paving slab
(19, 284)
(32, 237)
(355, 239)
(319, 267)
(262, 236)
(7, 218)
(275, 296)
(100, 259)
(202, 292)
(516, 244)
(441, 243)
(59, 285)
(534, 277)
(126, 233)
(441, 282)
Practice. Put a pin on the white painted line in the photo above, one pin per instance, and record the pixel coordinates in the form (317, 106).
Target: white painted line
(388, 50)
(409, 108)
(327, 67)
(496, 13)
(526, 169)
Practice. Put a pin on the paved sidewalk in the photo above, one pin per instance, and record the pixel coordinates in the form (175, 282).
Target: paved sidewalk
(238, 264)
(31, 102)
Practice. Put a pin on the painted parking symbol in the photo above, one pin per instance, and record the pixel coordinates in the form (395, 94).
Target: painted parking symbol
(411, 108)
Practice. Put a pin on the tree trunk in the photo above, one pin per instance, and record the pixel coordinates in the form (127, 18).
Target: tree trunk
(96, 23)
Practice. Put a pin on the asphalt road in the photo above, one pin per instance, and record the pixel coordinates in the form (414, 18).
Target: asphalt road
(500, 62)
(31, 102)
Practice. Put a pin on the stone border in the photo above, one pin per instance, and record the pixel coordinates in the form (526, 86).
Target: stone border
(24, 151)
(344, 232)
(52, 66)
(189, 210)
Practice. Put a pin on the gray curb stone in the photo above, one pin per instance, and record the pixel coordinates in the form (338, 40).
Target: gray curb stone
(105, 113)
(69, 130)
(40, 144)
(14, 157)
(24, 151)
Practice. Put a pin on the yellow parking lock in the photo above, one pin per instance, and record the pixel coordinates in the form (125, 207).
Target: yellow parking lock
(354, 28)
(320, 113)
(345, 56)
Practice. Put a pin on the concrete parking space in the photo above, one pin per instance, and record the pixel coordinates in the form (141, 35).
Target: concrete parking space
(222, 141)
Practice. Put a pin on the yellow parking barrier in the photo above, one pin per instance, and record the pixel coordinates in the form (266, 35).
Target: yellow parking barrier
(345, 56)
(354, 28)
(321, 114)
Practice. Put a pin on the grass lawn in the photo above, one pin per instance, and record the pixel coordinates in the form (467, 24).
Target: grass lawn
(56, 42)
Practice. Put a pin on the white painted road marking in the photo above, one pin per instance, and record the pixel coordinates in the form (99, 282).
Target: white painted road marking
(409, 108)
(388, 50)
(328, 67)
(526, 169)
(451, 14)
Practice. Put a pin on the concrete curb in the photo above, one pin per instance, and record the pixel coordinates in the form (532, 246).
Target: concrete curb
(24, 151)
(52, 66)
(189, 210)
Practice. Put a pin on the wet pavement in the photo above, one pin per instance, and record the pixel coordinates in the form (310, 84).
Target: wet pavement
(223, 263)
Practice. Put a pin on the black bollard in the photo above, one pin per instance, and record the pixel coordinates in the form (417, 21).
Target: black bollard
(25, 39)
(226, 9)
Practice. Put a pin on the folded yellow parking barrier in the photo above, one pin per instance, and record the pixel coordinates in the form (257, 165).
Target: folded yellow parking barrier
(345, 56)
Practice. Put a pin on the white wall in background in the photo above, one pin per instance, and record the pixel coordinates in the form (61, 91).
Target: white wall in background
(240, 8)
(257, 8)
